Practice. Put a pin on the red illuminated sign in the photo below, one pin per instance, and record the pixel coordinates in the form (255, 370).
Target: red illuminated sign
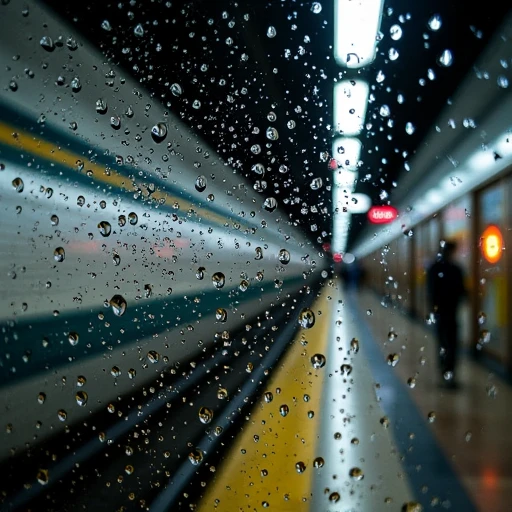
(382, 214)
(337, 257)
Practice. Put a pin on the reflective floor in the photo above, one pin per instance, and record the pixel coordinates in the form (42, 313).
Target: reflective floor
(361, 435)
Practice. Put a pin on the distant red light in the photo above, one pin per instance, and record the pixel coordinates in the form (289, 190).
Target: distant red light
(337, 257)
(333, 164)
(382, 214)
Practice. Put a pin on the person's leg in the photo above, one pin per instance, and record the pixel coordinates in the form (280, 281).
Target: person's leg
(441, 343)
(451, 345)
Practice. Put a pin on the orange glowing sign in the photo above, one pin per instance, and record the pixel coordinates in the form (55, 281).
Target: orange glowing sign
(492, 244)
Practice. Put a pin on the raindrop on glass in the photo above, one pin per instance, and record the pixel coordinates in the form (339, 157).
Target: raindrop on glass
(118, 305)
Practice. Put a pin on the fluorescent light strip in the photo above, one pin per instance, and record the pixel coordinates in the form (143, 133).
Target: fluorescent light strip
(346, 151)
(345, 179)
(350, 102)
(356, 25)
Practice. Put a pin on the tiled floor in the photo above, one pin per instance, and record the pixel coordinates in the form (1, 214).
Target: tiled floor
(473, 425)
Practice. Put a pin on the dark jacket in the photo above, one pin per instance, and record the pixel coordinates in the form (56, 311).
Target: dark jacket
(445, 286)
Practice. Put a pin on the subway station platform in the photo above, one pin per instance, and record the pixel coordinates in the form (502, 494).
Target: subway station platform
(370, 429)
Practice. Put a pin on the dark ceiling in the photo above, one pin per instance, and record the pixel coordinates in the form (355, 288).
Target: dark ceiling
(215, 48)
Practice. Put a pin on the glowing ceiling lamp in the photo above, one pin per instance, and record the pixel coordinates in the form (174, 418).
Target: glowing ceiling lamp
(346, 151)
(356, 26)
(350, 102)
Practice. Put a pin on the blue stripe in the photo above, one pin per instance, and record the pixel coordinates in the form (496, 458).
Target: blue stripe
(24, 337)
(436, 472)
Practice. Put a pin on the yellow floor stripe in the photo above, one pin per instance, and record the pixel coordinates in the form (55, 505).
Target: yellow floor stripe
(37, 146)
(260, 470)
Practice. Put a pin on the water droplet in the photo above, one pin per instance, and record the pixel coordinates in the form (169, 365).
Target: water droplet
(176, 89)
(334, 497)
(218, 280)
(244, 285)
(316, 184)
(354, 345)
(412, 506)
(346, 369)
(41, 398)
(54, 220)
(159, 132)
(256, 149)
(393, 359)
(81, 398)
(284, 410)
(270, 204)
(116, 259)
(283, 169)
(196, 104)
(384, 421)
(410, 128)
(411, 382)
(81, 381)
(306, 318)
(385, 111)
(200, 183)
(105, 25)
(62, 415)
(482, 318)
(502, 82)
(18, 185)
(446, 59)
(129, 469)
(59, 254)
(205, 415)
(115, 371)
(258, 169)
(291, 124)
(318, 462)
(153, 356)
(200, 273)
(115, 122)
(73, 338)
(46, 43)
(271, 32)
(272, 133)
(43, 476)
(121, 221)
(271, 116)
(284, 256)
(316, 8)
(138, 30)
(222, 393)
(132, 373)
(118, 305)
(431, 417)
(268, 396)
(356, 474)
(196, 456)
(101, 106)
(105, 228)
(76, 85)
(396, 32)
(435, 22)
(300, 467)
(318, 361)
(393, 54)
(133, 218)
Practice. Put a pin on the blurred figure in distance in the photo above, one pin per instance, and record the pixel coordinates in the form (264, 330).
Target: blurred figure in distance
(445, 287)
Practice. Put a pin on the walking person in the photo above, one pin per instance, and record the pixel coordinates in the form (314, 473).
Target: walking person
(445, 286)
